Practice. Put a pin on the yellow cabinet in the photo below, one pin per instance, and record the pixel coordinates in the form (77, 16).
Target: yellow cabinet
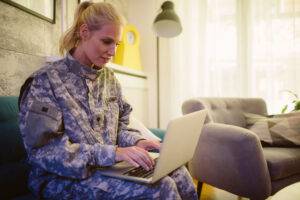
(128, 52)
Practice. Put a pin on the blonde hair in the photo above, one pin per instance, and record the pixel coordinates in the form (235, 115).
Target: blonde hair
(95, 15)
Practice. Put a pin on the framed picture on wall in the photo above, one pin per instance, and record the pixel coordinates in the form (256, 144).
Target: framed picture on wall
(44, 9)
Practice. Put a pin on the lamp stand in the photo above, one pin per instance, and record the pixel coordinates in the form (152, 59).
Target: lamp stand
(157, 83)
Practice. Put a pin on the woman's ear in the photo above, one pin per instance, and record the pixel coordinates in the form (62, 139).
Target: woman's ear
(84, 32)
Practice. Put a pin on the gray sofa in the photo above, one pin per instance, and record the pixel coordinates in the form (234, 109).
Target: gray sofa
(231, 157)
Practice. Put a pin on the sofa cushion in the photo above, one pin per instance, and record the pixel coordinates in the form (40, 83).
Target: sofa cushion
(13, 180)
(158, 132)
(9, 108)
(26, 197)
(11, 145)
(135, 124)
(282, 162)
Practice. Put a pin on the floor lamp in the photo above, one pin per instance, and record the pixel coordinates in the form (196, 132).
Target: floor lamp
(167, 25)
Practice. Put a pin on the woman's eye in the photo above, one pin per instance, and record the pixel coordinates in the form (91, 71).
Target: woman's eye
(110, 42)
(107, 42)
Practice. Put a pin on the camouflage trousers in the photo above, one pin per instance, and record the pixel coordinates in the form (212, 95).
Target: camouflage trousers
(178, 185)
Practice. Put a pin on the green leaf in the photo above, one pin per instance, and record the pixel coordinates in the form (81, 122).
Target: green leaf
(297, 105)
(284, 109)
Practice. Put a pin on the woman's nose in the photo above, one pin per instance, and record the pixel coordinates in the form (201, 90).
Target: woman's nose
(112, 50)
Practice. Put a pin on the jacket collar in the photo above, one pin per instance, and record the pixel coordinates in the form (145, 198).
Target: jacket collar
(82, 70)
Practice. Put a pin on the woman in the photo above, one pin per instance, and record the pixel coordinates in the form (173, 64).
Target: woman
(73, 119)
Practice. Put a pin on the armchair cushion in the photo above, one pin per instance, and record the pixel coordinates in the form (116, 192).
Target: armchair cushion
(276, 130)
(226, 110)
(282, 162)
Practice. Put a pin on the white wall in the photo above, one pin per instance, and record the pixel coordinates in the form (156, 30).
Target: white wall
(25, 42)
(141, 13)
(165, 74)
(135, 91)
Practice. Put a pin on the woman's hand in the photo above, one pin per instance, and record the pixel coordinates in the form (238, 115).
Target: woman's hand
(136, 156)
(148, 144)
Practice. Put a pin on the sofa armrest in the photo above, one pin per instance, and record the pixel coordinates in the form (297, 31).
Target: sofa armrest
(231, 158)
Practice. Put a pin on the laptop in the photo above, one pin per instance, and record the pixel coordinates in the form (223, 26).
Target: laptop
(177, 149)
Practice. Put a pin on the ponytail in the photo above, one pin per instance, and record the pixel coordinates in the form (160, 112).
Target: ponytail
(95, 15)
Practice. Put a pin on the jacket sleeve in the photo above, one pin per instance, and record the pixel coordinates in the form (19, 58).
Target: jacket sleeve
(47, 146)
(126, 136)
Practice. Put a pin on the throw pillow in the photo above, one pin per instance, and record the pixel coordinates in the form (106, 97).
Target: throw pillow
(145, 132)
(276, 130)
(290, 114)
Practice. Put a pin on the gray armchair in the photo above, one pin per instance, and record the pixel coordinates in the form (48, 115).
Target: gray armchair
(231, 157)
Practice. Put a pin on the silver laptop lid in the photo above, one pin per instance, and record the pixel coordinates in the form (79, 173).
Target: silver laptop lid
(179, 143)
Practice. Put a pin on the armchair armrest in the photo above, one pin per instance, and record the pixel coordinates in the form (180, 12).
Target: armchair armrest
(231, 158)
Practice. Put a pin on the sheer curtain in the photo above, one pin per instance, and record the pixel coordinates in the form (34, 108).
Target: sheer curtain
(275, 50)
(232, 48)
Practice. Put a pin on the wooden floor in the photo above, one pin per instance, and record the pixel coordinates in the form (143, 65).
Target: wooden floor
(212, 193)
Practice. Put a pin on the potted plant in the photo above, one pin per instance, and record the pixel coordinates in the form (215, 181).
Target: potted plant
(295, 102)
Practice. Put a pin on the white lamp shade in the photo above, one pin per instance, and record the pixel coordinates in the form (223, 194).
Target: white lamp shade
(167, 28)
(167, 23)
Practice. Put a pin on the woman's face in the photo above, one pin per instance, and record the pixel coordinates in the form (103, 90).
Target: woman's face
(99, 46)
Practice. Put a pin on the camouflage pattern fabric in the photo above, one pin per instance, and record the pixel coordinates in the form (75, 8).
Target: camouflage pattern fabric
(176, 186)
(71, 119)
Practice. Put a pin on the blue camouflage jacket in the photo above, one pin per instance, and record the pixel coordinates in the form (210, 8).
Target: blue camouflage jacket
(71, 119)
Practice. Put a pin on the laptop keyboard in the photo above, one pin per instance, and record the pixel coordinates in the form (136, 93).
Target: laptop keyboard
(140, 171)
